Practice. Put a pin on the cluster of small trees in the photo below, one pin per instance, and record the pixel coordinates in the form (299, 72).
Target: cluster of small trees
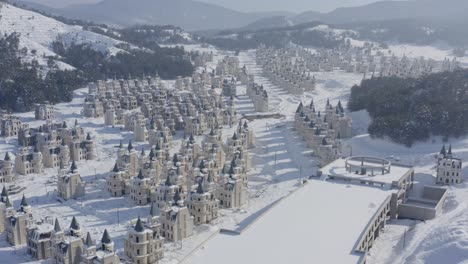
(23, 83)
(409, 110)
(167, 62)
(150, 35)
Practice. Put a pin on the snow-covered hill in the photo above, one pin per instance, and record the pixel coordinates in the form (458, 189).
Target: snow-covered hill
(38, 32)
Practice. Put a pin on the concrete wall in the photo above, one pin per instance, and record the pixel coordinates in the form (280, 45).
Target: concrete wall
(425, 208)
(434, 193)
(373, 229)
(415, 212)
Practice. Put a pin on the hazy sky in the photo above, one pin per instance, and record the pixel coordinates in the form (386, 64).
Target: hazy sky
(250, 5)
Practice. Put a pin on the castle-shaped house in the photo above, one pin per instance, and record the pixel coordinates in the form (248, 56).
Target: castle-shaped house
(70, 185)
(449, 168)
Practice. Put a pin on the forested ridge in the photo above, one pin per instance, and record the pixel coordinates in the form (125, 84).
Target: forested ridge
(409, 110)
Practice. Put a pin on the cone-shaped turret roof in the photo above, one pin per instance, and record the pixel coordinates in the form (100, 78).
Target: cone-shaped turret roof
(74, 224)
(140, 175)
(4, 192)
(57, 227)
(89, 240)
(7, 157)
(106, 239)
(116, 168)
(24, 201)
(139, 226)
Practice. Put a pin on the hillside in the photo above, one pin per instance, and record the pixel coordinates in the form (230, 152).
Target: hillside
(313, 34)
(390, 10)
(37, 33)
(415, 21)
(44, 59)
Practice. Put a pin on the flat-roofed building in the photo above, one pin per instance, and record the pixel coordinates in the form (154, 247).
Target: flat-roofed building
(315, 233)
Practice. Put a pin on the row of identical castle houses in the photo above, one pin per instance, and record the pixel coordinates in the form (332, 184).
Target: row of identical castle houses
(11, 125)
(184, 190)
(45, 239)
(148, 108)
(189, 187)
(323, 130)
(362, 60)
(285, 70)
(258, 95)
(50, 145)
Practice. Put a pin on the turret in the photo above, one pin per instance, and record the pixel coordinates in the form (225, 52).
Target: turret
(106, 242)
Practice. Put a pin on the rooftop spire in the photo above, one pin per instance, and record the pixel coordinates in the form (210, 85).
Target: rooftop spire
(139, 226)
(74, 224)
(24, 201)
(116, 168)
(443, 151)
(106, 239)
(57, 227)
(168, 181)
(140, 175)
(130, 146)
(176, 197)
(324, 142)
(8, 203)
(299, 108)
(7, 157)
(89, 241)
(200, 188)
(158, 147)
(4, 192)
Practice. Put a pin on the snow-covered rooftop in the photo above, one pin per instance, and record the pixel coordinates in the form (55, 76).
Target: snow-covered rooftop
(337, 168)
(320, 223)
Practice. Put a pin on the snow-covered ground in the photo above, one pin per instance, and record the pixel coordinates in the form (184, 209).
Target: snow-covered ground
(279, 160)
(38, 32)
(435, 52)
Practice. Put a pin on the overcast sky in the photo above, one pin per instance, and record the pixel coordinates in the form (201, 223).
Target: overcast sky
(250, 5)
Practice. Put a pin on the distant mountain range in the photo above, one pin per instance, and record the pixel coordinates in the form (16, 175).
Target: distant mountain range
(390, 10)
(194, 16)
(188, 14)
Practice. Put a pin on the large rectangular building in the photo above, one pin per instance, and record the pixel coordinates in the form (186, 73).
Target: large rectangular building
(323, 222)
